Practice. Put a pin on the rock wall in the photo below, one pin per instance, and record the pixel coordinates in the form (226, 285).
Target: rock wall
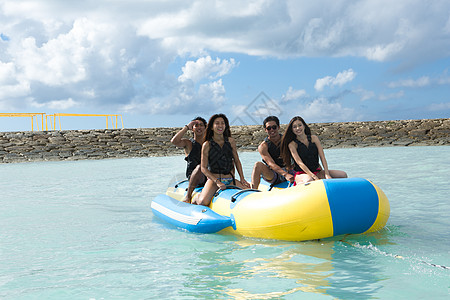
(121, 143)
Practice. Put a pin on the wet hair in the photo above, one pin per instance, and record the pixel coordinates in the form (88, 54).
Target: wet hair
(288, 137)
(200, 119)
(209, 128)
(271, 118)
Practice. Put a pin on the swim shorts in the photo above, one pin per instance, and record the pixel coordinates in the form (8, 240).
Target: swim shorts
(277, 178)
(315, 172)
(227, 181)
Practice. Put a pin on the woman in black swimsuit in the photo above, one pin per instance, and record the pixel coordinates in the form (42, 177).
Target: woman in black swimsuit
(301, 152)
(219, 157)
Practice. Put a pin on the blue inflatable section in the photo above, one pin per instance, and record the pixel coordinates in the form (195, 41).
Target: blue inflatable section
(350, 212)
(194, 218)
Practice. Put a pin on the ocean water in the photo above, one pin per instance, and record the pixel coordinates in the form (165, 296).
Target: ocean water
(85, 230)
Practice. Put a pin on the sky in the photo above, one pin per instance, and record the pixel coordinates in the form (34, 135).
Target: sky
(162, 63)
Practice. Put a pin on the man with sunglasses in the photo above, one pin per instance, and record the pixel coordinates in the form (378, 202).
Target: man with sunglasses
(272, 166)
(192, 149)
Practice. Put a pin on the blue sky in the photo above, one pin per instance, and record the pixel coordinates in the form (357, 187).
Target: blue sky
(161, 63)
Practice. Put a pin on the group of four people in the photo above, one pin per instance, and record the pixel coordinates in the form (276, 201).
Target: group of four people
(212, 156)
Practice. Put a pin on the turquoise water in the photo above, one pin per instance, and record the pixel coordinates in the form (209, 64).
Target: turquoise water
(85, 230)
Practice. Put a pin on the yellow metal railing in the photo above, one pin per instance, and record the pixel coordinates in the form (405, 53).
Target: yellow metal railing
(59, 115)
(30, 115)
(112, 119)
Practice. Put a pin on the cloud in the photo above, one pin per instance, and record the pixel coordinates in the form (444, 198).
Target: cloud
(384, 52)
(208, 97)
(340, 79)
(396, 95)
(126, 55)
(11, 87)
(411, 83)
(444, 80)
(439, 106)
(297, 28)
(423, 81)
(213, 91)
(324, 110)
(364, 94)
(205, 67)
(292, 94)
(57, 104)
(238, 110)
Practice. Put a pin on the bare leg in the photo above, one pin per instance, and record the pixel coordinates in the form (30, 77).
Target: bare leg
(194, 180)
(338, 174)
(260, 169)
(303, 178)
(333, 173)
(204, 198)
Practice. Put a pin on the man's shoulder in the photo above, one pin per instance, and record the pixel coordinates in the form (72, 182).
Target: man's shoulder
(263, 147)
(264, 142)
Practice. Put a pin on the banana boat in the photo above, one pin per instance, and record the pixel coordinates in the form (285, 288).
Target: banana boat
(315, 210)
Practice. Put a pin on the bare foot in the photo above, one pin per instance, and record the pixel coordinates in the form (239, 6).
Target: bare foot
(187, 200)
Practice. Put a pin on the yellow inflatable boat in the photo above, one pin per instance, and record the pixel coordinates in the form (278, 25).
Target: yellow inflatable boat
(315, 210)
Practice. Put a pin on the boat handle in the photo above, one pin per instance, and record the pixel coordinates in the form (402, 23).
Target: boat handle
(180, 182)
(226, 188)
(233, 198)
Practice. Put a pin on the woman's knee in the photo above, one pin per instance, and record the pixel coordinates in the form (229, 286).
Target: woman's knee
(303, 178)
(203, 202)
(338, 174)
(343, 174)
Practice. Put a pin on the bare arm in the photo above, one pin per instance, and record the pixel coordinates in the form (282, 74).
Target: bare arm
(263, 150)
(204, 161)
(315, 140)
(179, 141)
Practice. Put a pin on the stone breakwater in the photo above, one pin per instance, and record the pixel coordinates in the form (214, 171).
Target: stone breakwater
(124, 143)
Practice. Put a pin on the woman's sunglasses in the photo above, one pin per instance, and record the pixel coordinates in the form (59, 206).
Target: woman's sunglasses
(272, 127)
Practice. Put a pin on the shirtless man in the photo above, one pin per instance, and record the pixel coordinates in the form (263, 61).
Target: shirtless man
(272, 166)
(192, 149)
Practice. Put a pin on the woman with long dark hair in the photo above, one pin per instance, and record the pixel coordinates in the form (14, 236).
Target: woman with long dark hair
(301, 151)
(219, 157)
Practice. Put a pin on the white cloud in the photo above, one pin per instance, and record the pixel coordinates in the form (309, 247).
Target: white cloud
(411, 83)
(292, 94)
(297, 28)
(238, 110)
(364, 94)
(205, 67)
(11, 86)
(340, 79)
(424, 81)
(7, 72)
(384, 52)
(120, 54)
(323, 110)
(57, 104)
(439, 106)
(208, 97)
(213, 91)
(444, 80)
(396, 95)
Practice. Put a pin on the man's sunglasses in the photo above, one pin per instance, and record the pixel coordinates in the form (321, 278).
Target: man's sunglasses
(272, 127)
